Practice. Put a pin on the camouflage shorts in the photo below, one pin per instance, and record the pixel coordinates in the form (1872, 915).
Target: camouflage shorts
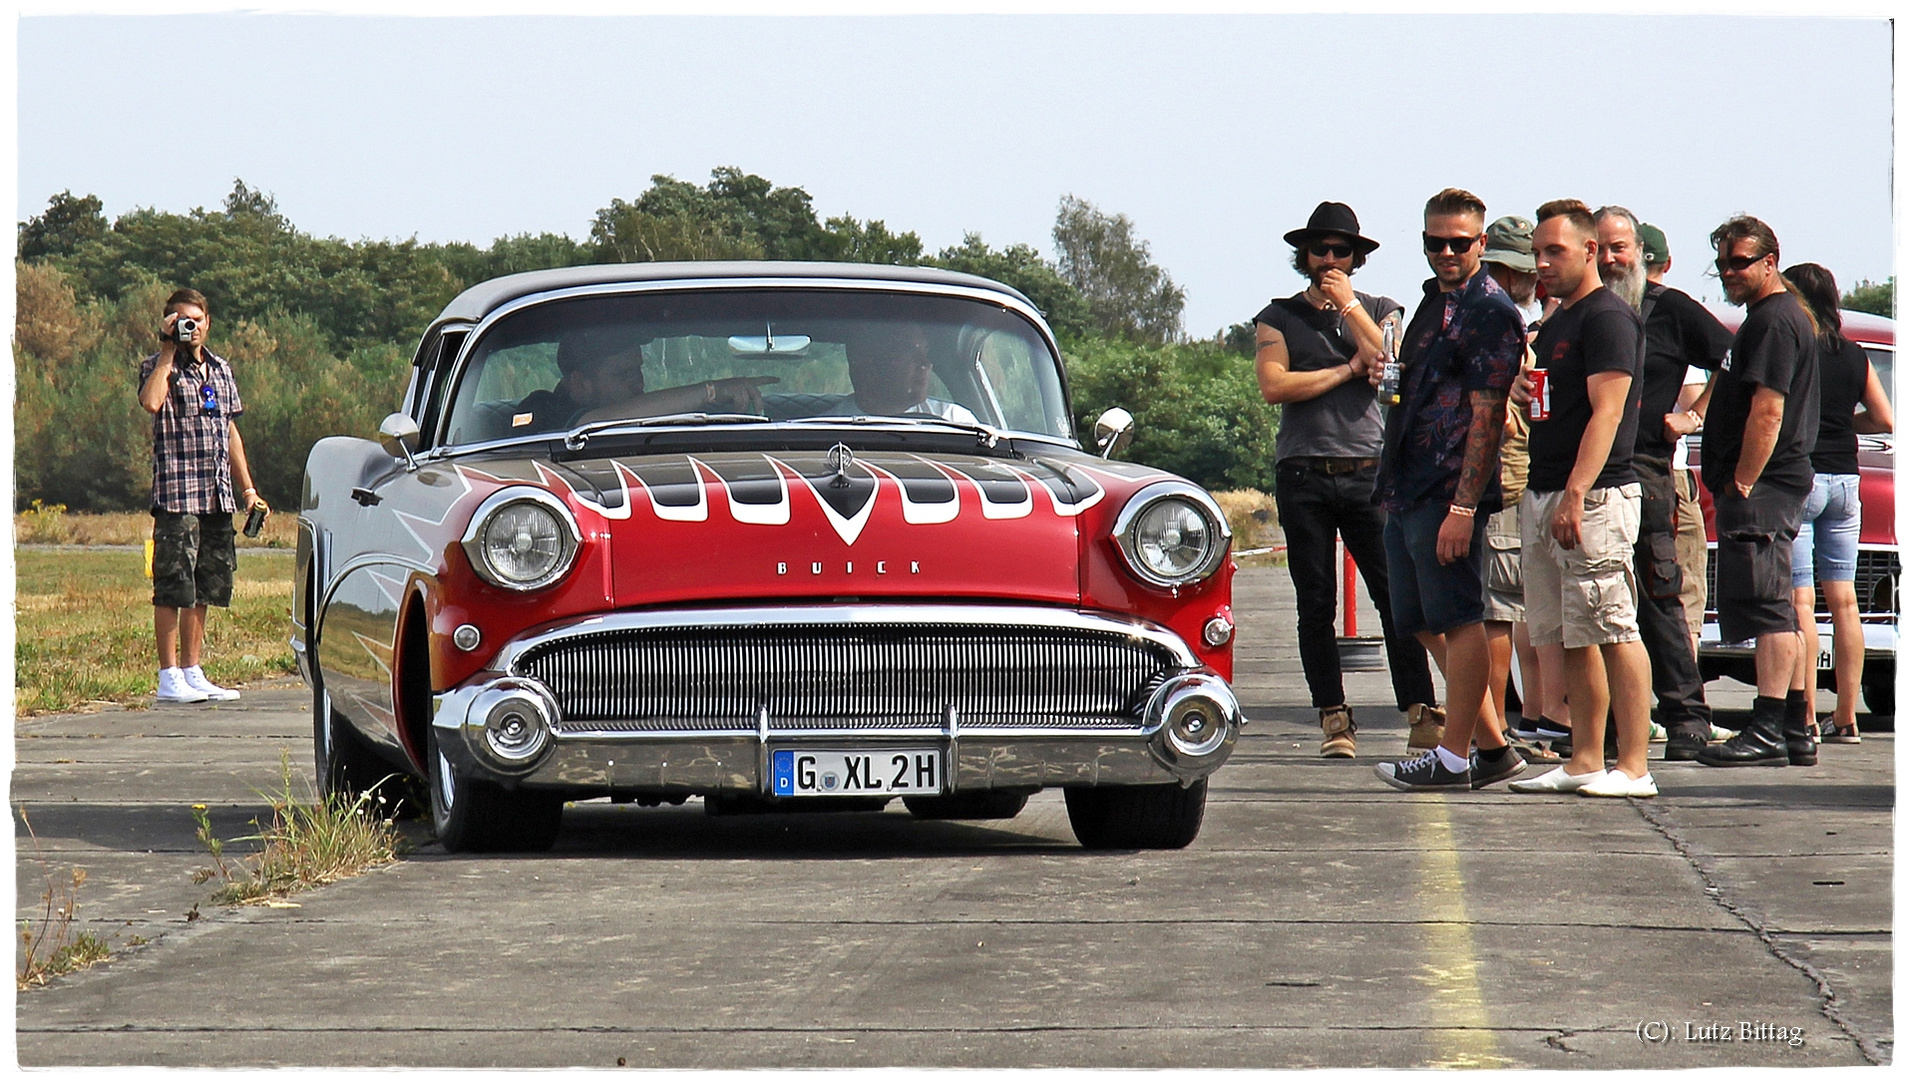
(193, 559)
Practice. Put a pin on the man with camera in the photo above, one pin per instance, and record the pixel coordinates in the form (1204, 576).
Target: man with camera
(197, 459)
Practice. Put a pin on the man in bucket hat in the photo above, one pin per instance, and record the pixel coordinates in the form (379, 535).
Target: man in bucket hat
(1313, 351)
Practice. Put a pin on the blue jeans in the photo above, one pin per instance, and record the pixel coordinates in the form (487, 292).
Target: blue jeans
(1832, 524)
(1429, 597)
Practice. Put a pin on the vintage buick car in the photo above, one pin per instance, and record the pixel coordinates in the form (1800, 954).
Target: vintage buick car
(779, 535)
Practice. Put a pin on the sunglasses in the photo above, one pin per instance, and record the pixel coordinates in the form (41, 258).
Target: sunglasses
(1321, 249)
(1738, 263)
(1457, 245)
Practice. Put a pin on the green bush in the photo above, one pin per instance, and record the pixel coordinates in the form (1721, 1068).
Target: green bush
(1196, 407)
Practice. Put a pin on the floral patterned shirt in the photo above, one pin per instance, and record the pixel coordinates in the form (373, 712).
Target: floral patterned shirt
(1472, 338)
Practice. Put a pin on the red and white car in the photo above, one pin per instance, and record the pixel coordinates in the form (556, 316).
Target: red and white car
(1878, 557)
(813, 598)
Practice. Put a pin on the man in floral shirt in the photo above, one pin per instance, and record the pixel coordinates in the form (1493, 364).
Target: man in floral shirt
(1438, 483)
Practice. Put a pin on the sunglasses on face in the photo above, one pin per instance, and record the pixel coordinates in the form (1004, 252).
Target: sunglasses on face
(1458, 245)
(1321, 249)
(1738, 263)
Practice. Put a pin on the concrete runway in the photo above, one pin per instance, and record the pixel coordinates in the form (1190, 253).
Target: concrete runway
(1321, 919)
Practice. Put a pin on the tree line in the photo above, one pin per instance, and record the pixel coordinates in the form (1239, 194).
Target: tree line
(321, 329)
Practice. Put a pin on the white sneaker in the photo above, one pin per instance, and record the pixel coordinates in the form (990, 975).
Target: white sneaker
(1616, 785)
(1555, 782)
(195, 678)
(174, 687)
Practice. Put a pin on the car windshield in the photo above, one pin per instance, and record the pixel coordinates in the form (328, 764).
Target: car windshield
(783, 354)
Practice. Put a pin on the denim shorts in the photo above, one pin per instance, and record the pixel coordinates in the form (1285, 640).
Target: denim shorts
(1429, 597)
(1825, 544)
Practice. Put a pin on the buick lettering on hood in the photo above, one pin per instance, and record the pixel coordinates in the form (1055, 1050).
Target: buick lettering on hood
(780, 536)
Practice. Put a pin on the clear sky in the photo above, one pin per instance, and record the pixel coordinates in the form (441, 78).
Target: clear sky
(1215, 134)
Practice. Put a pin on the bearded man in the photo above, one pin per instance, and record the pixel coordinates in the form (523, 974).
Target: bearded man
(1661, 624)
(1313, 351)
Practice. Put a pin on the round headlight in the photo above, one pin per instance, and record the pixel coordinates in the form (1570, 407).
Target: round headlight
(522, 539)
(1172, 534)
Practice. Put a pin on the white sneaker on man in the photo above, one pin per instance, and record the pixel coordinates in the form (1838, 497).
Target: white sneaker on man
(1555, 782)
(195, 678)
(174, 687)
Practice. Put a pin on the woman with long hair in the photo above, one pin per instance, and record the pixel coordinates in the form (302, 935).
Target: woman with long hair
(1824, 552)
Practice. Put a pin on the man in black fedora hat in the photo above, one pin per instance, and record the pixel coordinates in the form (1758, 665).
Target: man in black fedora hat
(1313, 351)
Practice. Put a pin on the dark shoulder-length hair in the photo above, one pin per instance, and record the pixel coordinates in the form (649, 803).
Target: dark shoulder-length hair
(1817, 288)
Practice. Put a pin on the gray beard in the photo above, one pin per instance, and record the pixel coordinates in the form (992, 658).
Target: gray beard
(1628, 284)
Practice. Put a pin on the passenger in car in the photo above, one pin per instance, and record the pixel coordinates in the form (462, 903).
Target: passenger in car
(890, 372)
(602, 369)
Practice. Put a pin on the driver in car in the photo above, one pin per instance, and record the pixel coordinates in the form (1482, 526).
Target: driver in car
(603, 365)
(890, 373)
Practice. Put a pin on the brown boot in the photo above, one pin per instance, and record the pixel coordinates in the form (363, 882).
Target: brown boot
(1337, 723)
(1428, 726)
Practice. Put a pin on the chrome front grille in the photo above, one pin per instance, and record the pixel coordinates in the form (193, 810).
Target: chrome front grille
(1878, 573)
(892, 676)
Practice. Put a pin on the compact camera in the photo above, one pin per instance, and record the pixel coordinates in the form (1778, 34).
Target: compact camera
(183, 329)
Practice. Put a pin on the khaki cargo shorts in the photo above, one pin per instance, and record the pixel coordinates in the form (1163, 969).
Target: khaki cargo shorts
(1504, 576)
(1588, 595)
(194, 558)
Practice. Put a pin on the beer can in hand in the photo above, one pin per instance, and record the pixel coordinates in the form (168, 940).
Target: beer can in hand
(255, 521)
(1540, 395)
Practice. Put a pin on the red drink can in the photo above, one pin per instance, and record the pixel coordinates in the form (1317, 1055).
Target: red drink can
(1540, 395)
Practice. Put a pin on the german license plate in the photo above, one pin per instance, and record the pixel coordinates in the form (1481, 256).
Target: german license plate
(1825, 659)
(802, 772)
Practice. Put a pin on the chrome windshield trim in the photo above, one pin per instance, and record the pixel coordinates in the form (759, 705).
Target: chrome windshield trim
(838, 616)
(965, 292)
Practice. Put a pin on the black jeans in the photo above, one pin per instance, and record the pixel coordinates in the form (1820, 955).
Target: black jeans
(1314, 508)
(1660, 607)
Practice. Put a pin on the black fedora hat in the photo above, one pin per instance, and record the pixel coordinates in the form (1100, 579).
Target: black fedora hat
(1333, 217)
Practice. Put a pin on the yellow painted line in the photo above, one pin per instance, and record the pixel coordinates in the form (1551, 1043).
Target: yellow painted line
(1462, 1035)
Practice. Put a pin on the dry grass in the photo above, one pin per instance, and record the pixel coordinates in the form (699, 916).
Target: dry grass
(307, 844)
(48, 945)
(42, 524)
(1253, 517)
(84, 628)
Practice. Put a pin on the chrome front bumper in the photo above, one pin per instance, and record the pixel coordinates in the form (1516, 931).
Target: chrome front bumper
(507, 726)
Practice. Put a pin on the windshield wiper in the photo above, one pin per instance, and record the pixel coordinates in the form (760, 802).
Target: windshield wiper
(580, 436)
(987, 435)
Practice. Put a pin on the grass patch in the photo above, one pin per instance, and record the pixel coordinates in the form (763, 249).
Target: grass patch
(307, 844)
(41, 523)
(48, 945)
(84, 628)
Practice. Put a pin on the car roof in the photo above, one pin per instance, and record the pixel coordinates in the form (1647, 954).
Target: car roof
(474, 303)
(1858, 326)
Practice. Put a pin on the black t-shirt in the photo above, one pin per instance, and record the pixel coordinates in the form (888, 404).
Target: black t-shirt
(1597, 334)
(1343, 421)
(1776, 348)
(1844, 376)
(1679, 334)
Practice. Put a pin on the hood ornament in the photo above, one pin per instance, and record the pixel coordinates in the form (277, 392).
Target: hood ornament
(841, 459)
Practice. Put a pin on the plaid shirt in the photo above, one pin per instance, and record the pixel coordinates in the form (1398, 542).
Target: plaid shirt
(191, 436)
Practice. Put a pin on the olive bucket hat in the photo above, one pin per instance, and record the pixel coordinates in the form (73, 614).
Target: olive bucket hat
(1508, 243)
(1333, 217)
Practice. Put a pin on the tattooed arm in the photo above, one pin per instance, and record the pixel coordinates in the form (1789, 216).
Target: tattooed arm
(1481, 464)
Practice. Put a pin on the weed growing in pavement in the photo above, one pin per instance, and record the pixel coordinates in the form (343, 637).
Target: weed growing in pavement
(306, 845)
(48, 946)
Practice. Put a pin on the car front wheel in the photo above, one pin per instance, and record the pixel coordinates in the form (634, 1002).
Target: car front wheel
(475, 815)
(1141, 816)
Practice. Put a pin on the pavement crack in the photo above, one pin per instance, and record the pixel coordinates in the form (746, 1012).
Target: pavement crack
(1871, 1048)
(1558, 1042)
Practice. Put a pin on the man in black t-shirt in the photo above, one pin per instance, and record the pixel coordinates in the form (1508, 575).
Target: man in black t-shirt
(1758, 436)
(1583, 500)
(1669, 351)
(1313, 351)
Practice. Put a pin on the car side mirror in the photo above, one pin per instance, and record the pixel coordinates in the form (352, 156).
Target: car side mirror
(1113, 431)
(399, 437)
